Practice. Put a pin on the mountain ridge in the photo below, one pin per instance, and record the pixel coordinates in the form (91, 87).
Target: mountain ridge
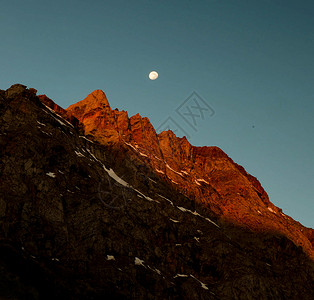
(169, 155)
(86, 215)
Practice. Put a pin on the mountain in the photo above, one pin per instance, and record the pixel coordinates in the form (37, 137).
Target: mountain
(95, 204)
(205, 174)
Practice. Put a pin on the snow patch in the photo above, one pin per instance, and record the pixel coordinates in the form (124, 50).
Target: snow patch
(79, 154)
(45, 132)
(158, 158)
(270, 209)
(182, 208)
(84, 137)
(166, 199)
(157, 271)
(113, 175)
(55, 259)
(173, 170)
(53, 114)
(146, 197)
(42, 124)
(51, 174)
(159, 171)
(152, 180)
(210, 221)
(130, 145)
(174, 221)
(203, 285)
(139, 262)
(202, 180)
(180, 275)
(195, 213)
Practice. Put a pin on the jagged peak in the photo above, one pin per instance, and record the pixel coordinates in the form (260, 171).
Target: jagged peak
(94, 100)
(98, 96)
(15, 89)
(167, 133)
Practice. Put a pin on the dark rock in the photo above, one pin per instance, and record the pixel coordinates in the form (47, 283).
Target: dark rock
(15, 90)
(71, 228)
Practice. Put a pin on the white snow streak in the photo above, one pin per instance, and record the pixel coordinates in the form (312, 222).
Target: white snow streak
(180, 275)
(166, 199)
(173, 170)
(55, 259)
(131, 146)
(79, 154)
(195, 213)
(182, 208)
(54, 113)
(139, 262)
(270, 209)
(174, 221)
(42, 124)
(51, 174)
(152, 180)
(84, 137)
(113, 175)
(202, 180)
(203, 285)
(197, 182)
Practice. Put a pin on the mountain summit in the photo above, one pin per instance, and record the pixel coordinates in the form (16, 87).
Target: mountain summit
(95, 100)
(95, 204)
(206, 174)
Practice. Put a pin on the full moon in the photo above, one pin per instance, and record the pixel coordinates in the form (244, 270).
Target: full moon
(153, 75)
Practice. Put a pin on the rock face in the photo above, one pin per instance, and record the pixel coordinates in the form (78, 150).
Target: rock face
(205, 174)
(96, 205)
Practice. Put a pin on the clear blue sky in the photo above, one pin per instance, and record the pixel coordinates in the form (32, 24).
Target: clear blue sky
(251, 61)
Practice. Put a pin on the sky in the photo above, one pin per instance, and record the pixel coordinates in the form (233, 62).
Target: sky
(234, 74)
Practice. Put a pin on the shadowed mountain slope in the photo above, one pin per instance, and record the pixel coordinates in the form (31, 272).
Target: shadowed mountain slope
(96, 205)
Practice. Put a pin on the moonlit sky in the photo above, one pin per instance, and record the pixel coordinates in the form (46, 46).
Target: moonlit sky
(251, 62)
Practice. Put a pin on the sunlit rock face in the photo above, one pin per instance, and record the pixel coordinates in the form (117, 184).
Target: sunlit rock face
(95, 204)
(206, 174)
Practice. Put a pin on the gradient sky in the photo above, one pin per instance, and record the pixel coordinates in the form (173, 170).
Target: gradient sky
(251, 62)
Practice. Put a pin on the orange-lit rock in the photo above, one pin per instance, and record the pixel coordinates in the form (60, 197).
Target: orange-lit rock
(205, 174)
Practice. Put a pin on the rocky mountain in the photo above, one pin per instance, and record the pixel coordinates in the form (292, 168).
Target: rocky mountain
(95, 204)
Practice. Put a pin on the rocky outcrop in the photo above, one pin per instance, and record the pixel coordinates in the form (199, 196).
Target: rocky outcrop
(98, 216)
(59, 110)
(205, 174)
